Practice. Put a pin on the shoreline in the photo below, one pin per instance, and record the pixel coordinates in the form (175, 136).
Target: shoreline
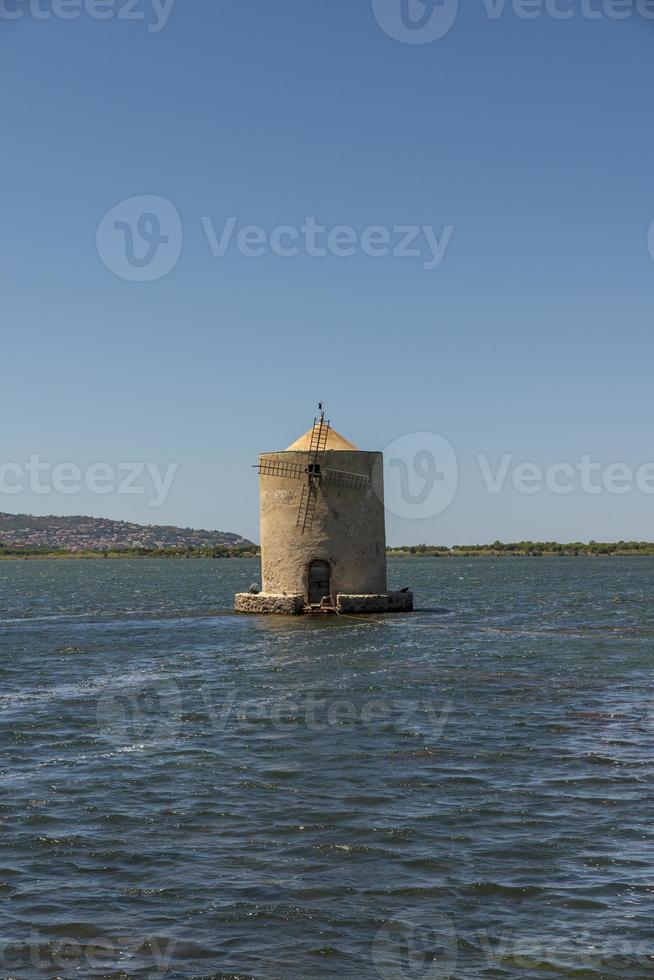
(458, 552)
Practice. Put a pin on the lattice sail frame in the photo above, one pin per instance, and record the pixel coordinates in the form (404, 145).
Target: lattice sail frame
(314, 473)
(296, 471)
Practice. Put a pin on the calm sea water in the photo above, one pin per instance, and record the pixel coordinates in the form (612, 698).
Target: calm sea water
(466, 792)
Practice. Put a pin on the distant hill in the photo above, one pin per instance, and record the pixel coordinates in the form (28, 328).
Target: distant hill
(22, 531)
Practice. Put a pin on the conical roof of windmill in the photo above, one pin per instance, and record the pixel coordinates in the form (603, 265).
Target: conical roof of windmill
(334, 441)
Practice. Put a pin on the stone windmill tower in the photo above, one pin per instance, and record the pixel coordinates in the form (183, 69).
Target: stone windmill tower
(323, 539)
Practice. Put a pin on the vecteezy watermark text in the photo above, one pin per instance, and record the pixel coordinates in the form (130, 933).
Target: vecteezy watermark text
(318, 241)
(141, 239)
(152, 709)
(426, 21)
(585, 474)
(426, 944)
(582, 951)
(154, 13)
(421, 476)
(43, 478)
(42, 955)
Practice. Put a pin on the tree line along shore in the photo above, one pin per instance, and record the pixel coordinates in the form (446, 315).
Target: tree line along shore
(528, 549)
(519, 549)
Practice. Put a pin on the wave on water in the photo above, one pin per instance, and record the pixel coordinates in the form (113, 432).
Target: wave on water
(462, 795)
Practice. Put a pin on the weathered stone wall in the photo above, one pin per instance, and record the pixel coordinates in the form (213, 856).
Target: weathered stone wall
(270, 605)
(400, 601)
(389, 602)
(348, 529)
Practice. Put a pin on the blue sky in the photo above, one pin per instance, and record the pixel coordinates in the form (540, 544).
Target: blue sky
(530, 139)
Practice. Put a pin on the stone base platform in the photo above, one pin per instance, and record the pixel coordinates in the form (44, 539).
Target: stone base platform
(394, 602)
(269, 604)
(266, 604)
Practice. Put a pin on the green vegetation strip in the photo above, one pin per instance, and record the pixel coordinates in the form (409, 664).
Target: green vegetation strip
(529, 549)
(220, 551)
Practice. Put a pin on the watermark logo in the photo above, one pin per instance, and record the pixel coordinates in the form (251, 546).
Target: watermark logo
(416, 21)
(143, 711)
(407, 949)
(426, 21)
(151, 710)
(421, 475)
(141, 238)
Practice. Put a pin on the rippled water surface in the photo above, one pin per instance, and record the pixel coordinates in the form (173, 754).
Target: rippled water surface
(464, 793)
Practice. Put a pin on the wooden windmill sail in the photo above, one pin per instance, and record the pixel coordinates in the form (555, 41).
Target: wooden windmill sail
(313, 472)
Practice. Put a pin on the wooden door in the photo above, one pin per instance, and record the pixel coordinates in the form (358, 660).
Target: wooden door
(318, 581)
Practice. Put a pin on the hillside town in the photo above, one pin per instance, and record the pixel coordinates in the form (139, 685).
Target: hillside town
(23, 531)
